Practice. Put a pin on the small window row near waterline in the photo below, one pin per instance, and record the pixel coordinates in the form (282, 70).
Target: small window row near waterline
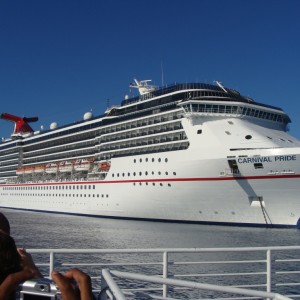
(150, 160)
(55, 195)
(50, 187)
(146, 173)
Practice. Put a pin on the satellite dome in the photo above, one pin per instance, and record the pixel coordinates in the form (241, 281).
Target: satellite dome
(53, 125)
(87, 116)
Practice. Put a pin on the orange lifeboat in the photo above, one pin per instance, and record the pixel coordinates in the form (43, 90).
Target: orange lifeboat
(65, 167)
(51, 168)
(28, 170)
(104, 166)
(39, 169)
(20, 171)
(82, 164)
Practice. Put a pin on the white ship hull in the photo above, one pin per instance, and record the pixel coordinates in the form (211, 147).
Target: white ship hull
(203, 196)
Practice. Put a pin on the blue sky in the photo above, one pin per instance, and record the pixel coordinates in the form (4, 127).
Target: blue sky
(61, 58)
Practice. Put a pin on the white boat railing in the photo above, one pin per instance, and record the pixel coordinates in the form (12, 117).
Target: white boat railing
(112, 291)
(267, 272)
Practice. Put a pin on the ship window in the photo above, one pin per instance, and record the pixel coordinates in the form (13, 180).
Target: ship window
(258, 166)
(174, 173)
(159, 160)
(248, 137)
(152, 159)
(140, 160)
(134, 160)
(199, 131)
(146, 159)
(166, 160)
(227, 132)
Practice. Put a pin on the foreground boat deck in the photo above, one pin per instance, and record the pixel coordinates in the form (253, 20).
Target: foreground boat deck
(183, 273)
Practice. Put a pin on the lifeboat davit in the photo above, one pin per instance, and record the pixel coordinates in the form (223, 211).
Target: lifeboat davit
(51, 168)
(65, 167)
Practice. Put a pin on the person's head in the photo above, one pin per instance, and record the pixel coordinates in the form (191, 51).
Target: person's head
(4, 224)
(10, 260)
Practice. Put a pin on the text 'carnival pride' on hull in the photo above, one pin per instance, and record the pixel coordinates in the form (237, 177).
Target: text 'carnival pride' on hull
(188, 152)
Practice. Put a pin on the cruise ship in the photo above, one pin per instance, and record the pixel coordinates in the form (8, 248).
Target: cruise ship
(187, 152)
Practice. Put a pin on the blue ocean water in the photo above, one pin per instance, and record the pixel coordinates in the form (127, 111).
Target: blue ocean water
(46, 230)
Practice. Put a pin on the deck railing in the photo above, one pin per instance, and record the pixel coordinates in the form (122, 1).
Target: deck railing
(270, 272)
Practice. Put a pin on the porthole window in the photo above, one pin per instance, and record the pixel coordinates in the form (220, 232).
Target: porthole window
(199, 131)
(248, 137)
(166, 160)
(152, 159)
(134, 160)
(159, 160)
(227, 132)
(140, 160)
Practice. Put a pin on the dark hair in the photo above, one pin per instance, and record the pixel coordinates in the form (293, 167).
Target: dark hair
(4, 224)
(10, 260)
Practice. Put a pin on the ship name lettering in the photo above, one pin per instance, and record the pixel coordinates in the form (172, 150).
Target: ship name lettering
(252, 160)
(285, 157)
